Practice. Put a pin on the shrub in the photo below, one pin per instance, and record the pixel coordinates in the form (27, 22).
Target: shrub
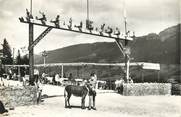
(141, 89)
(176, 89)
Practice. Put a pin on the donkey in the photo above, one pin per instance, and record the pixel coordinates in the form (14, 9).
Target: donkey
(79, 91)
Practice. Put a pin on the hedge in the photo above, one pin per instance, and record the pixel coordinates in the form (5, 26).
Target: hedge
(176, 89)
(142, 89)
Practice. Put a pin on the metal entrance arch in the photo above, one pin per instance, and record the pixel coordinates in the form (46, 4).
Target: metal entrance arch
(117, 36)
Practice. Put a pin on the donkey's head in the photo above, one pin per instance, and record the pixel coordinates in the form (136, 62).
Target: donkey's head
(91, 91)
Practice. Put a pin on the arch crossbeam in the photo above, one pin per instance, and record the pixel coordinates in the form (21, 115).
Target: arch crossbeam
(121, 37)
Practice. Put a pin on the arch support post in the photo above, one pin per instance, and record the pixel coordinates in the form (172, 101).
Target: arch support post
(31, 54)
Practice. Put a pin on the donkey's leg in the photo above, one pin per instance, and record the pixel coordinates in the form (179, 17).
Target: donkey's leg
(94, 102)
(83, 102)
(68, 100)
(66, 97)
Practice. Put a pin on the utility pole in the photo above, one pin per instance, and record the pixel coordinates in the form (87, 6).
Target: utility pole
(87, 9)
(88, 22)
(31, 5)
(44, 54)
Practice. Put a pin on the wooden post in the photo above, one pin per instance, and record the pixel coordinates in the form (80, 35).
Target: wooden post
(88, 10)
(44, 59)
(31, 55)
(78, 72)
(158, 73)
(31, 5)
(142, 75)
(19, 71)
(127, 68)
(62, 72)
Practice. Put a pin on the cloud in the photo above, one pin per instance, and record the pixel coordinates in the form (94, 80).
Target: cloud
(144, 16)
(4, 14)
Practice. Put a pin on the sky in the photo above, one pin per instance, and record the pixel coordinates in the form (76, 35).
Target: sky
(143, 17)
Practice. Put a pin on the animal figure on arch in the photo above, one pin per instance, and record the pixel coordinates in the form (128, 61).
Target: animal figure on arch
(79, 91)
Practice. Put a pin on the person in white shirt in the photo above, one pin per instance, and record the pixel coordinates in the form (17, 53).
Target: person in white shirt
(36, 76)
(57, 78)
(43, 77)
(93, 80)
(119, 85)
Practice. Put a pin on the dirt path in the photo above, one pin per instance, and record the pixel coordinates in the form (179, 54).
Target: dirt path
(108, 103)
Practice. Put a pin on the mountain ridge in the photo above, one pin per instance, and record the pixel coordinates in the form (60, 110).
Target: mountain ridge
(161, 48)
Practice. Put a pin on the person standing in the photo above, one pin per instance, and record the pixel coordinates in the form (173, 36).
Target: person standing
(121, 86)
(57, 79)
(1, 76)
(92, 92)
(70, 77)
(10, 73)
(43, 78)
(36, 76)
(38, 85)
(93, 80)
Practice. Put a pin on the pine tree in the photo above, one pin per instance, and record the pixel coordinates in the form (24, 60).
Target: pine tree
(25, 60)
(18, 59)
(7, 55)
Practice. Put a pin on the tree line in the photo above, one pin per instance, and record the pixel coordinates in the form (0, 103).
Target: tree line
(8, 58)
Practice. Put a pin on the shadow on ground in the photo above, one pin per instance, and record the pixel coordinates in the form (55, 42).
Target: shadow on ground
(52, 96)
